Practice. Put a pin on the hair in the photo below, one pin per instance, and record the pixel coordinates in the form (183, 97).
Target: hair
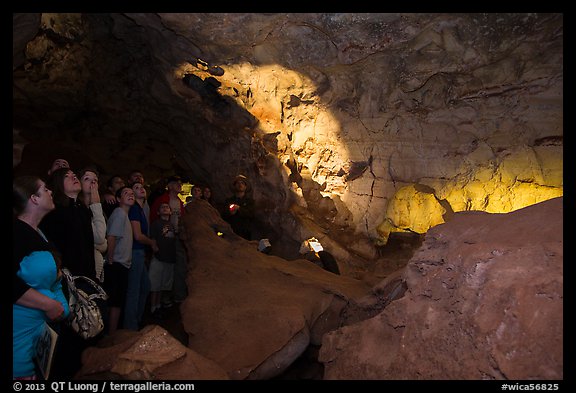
(89, 168)
(23, 187)
(56, 184)
(164, 203)
(57, 258)
(118, 194)
(130, 175)
(110, 181)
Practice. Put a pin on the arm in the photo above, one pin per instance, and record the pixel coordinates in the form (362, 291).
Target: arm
(34, 299)
(111, 247)
(59, 296)
(19, 288)
(142, 238)
(248, 208)
(109, 198)
(98, 223)
(227, 211)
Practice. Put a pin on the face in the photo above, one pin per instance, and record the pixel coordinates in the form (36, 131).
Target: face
(88, 180)
(136, 177)
(240, 185)
(164, 209)
(59, 163)
(175, 186)
(196, 192)
(207, 193)
(127, 197)
(117, 184)
(72, 185)
(139, 190)
(43, 197)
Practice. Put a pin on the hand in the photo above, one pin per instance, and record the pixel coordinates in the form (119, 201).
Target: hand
(154, 246)
(234, 208)
(109, 198)
(55, 310)
(94, 194)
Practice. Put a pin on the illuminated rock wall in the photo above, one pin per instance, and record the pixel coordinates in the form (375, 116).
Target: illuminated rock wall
(463, 104)
(339, 120)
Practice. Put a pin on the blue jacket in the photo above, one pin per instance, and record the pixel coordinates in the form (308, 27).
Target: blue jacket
(38, 270)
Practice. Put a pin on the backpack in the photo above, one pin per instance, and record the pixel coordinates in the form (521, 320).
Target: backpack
(85, 316)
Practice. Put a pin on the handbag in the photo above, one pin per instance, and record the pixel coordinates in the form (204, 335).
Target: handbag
(85, 316)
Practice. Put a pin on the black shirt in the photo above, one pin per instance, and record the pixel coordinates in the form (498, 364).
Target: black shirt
(241, 222)
(26, 240)
(70, 228)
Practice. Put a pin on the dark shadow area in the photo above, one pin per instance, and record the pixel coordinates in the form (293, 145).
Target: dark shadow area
(306, 367)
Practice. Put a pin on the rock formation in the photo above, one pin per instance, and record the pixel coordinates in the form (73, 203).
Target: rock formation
(251, 313)
(350, 126)
(150, 354)
(484, 300)
(354, 128)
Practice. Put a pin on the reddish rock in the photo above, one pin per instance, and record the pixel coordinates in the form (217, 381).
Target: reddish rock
(484, 301)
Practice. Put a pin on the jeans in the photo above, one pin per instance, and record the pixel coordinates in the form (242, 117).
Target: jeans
(137, 291)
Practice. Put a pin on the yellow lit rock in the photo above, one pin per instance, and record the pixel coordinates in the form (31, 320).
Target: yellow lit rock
(415, 210)
(512, 185)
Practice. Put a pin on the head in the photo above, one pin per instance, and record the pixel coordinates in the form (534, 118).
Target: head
(115, 183)
(206, 193)
(135, 177)
(125, 197)
(57, 164)
(88, 178)
(30, 192)
(64, 184)
(240, 184)
(174, 184)
(139, 191)
(196, 192)
(164, 210)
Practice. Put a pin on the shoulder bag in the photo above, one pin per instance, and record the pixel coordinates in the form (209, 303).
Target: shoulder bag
(85, 316)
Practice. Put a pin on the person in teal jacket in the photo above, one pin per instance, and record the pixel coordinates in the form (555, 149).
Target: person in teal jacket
(41, 272)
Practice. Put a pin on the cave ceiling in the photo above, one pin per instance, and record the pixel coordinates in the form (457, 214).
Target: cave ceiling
(349, 126)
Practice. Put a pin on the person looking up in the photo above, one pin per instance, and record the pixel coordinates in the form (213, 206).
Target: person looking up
(137, 177)
(69, 226)
(162, 263)
(114, 184)
(170, 196)
(32, 200)
(138, 279)
(119, 257)
(41, 270)
(57, 164)
(90, 197)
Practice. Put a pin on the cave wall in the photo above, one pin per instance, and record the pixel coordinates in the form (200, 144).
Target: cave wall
(349, 126)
